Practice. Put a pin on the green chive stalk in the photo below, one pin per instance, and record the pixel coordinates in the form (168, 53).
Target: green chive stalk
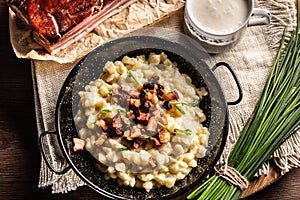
(276, 117)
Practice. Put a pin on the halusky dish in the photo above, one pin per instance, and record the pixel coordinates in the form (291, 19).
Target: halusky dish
(142, 121)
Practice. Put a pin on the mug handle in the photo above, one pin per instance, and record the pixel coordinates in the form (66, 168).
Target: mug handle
(42, 150)
(264, 19)
(237, 82)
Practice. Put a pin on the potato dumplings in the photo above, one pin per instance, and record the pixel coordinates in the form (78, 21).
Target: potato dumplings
(142, 121)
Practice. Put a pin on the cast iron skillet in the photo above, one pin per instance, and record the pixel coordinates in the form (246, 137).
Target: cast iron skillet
(190, 61)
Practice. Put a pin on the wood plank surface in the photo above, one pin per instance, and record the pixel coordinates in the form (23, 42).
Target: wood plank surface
(19, 154)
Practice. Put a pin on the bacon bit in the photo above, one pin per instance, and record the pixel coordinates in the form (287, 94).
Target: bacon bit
(135, 132)
(171, 96)
(119, 131)
(154, 100)
(153, 92)
(131, 115)
(159, 87)
(152, 124)
(117, 124)
(149, 86)
(145, 107)
(158, 116)
(160, 93)
(134, 94)
(143, 117)
(149, 96)
(174, 112)
(167, 105)
(142, 94)
(164, 136)
(117, 121)
(134, 102)
(155, 140)
(102, 124)
(135, 145)
(78, 144)
(148, 104)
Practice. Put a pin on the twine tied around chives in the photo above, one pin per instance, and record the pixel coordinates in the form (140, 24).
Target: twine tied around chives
(232, 176)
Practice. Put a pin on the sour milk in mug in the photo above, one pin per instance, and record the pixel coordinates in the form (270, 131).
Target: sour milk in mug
(218, 16)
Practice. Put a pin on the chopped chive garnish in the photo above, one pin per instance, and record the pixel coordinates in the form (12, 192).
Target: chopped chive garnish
(145, 136)
(123, 148)
(145, 91)
(176, 130)
(130, 74)
(179, 109)
(105, 110)
(163, 126)
(186, 131)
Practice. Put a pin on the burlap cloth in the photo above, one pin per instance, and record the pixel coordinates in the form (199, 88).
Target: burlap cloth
(251, 59)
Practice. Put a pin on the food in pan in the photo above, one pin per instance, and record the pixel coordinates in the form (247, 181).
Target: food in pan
(142, 121)
(57, 24)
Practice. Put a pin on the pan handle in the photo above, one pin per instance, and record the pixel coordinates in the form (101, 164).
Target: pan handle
(42, 150)
(235, 79)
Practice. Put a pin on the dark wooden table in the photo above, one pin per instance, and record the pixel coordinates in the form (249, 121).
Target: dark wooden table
(19, 154)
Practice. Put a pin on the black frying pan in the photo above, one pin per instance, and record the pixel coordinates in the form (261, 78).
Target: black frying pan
(191, 61)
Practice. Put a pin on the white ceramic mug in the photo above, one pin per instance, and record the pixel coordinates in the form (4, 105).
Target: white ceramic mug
(217, 42)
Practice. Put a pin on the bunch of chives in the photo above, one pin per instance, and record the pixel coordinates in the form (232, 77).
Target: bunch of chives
(276, 117)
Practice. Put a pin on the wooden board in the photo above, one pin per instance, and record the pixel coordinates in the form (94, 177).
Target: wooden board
(257, 184)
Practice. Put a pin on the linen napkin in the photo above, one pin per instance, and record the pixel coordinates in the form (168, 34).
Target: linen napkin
(251, 59)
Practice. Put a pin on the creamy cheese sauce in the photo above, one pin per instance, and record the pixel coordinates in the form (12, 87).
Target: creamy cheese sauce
(218, 16)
